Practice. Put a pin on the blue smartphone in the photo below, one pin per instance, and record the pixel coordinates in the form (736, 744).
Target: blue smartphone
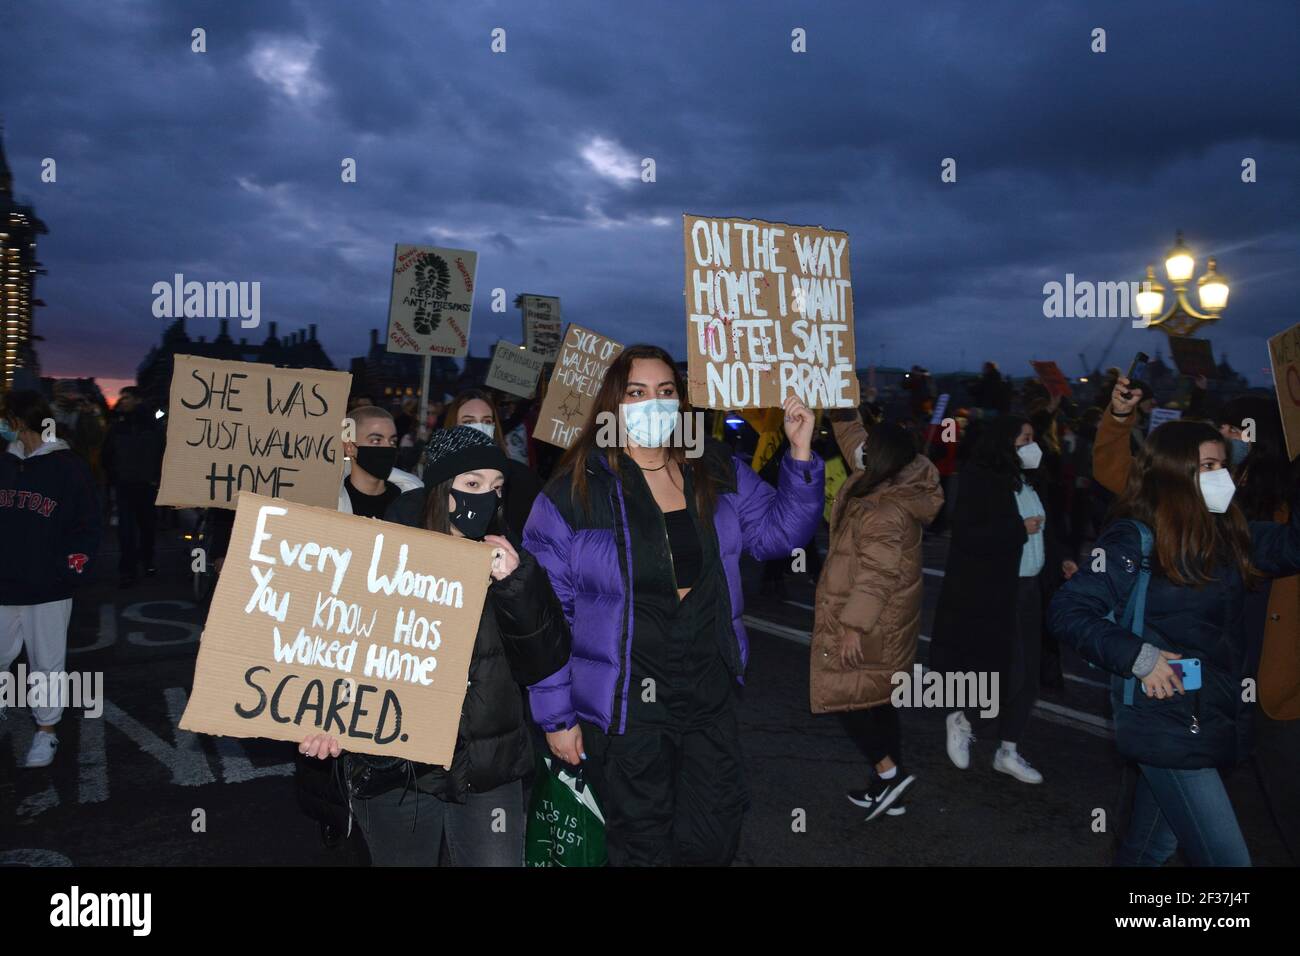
(1188, 670)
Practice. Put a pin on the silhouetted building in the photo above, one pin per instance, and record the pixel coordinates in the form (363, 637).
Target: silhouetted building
(19, 228)
(298, 350)
(388, 377)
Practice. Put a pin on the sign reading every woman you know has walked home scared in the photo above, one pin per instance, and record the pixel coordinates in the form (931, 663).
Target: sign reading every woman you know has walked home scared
(769, 314)
(330, 623)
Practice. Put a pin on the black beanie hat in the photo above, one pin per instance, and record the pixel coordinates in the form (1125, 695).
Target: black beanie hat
(453, 451)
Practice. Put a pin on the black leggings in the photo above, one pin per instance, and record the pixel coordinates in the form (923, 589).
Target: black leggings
(876, 732)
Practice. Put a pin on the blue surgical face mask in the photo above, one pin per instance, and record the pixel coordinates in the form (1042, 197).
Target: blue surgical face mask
(7, 433)
(487, 428)
(651, 423)
(1237, 451)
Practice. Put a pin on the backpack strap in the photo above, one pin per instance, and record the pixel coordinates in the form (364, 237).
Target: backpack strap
(1135, 610)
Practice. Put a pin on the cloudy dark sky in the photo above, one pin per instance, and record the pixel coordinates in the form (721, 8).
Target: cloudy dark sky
(225, 165)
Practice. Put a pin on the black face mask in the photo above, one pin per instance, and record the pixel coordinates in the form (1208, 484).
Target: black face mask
(376, 460)
(473, 512)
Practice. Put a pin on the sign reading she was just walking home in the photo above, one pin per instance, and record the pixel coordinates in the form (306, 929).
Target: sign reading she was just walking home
(432, 300)
(244, 426)
(769, 313)
(330, 623)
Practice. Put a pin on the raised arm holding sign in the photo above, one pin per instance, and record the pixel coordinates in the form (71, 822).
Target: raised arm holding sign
(769, 314)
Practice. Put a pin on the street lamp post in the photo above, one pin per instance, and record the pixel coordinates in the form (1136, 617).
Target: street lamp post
(1182, 318)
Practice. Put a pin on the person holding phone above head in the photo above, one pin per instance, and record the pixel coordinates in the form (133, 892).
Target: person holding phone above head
(521, 638)
(1203, 557)
(642, 543)
(989, 616)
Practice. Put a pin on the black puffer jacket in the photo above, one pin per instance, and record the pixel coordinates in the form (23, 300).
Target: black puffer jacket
(522, 639)
(1202, 728)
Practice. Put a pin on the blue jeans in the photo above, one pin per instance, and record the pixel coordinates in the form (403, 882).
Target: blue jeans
(1182, 807)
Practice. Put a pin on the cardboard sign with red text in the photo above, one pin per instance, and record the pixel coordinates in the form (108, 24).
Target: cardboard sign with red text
(432, 300)
(769, 313)
(331, 623)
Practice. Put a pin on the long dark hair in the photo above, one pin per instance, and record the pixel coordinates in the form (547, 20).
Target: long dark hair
(995, 449)
(889, 449)
(1163, 493)
(451, 417)
(608, 398)
(1266, 479)
(436, 517)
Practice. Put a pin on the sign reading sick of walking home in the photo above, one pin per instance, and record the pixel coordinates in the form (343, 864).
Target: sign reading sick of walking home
(769, 313)
(244, 426)
(579, 372)
(331, 623)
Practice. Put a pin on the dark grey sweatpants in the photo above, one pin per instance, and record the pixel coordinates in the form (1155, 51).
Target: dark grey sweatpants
(486, 830)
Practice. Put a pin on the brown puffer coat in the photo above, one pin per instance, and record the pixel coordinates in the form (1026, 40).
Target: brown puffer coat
(870, 587)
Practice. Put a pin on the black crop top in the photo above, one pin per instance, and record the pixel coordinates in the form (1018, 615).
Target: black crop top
(684, 544)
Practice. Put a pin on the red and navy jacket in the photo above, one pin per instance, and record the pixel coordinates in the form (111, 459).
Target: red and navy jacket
(49, 523)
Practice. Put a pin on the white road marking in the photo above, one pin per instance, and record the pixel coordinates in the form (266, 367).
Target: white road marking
(1057, 713)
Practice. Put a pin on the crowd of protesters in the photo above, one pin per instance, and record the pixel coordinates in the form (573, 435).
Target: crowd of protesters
(612, 636)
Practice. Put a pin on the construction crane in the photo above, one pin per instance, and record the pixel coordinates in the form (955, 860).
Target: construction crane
(1110, 347)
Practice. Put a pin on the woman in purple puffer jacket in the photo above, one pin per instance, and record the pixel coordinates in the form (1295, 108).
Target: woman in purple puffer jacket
(641, 531)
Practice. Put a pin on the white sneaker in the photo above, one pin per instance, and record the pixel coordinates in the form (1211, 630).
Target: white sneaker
(959, 739)
(41, 753)
(1011, 762)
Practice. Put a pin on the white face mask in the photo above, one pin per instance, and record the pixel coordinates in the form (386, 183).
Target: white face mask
(1217, 489)
(487, 428)
(1031, 456)
(651, 423)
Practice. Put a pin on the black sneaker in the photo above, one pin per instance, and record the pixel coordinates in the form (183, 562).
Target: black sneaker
(885, 793)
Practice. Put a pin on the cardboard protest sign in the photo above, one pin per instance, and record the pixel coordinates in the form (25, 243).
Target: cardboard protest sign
(514, 369)
(330, 623)
(432, 300)
(1053, 379)
(769, 313)
(1193, 356)
(244, 426)
(542, 325)
(1161, 415)
(1284, 352)
(580, 369)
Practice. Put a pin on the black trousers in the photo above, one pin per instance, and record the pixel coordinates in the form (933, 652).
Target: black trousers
(876, 732)
(671, 797)
(135, 525)
(1018, 686)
